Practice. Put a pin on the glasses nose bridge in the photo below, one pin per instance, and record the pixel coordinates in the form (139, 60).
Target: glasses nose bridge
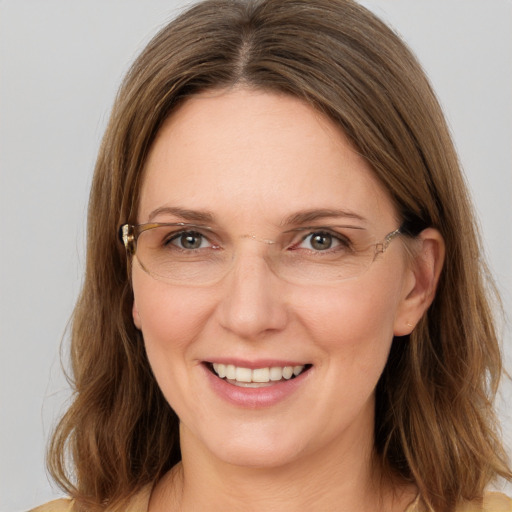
(251, 236)
(253, 250)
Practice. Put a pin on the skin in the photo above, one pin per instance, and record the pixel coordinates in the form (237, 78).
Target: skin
(252, 159)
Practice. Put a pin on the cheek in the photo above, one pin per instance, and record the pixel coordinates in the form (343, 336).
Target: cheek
(170, 316)
(354, 321)
(171, 319)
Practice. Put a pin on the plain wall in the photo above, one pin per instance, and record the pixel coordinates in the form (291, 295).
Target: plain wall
(60, 64)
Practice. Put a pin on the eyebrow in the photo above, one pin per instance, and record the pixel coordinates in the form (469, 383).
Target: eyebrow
(305, 216)
(295, 219)
(183, 213)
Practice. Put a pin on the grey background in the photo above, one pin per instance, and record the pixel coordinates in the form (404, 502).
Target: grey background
(60, 64)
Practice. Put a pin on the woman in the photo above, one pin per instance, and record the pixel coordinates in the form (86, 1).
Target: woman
(294, 314)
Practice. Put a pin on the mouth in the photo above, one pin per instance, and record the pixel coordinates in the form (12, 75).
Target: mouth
(256, 377)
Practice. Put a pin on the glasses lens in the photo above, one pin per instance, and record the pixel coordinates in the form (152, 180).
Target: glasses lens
(180, 254)
(316, 268)
(189, 255)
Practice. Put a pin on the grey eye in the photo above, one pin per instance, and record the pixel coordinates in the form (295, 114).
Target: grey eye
(189, 240)
(320, 241)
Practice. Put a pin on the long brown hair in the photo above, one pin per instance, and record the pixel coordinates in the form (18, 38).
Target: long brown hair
(434, 423)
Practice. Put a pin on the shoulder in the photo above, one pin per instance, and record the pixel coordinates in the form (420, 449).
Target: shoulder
(62, 505)
(492, 502)
(497, 502)
(139, 502)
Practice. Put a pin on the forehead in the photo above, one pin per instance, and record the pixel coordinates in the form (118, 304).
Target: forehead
(253, 156)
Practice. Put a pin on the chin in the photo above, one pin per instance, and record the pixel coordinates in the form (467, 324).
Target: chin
(252, 447)
(262, 456)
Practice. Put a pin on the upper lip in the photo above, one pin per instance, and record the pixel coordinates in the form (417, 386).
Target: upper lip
(256, 363)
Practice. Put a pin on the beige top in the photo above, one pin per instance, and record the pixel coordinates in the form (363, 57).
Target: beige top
(493, 502)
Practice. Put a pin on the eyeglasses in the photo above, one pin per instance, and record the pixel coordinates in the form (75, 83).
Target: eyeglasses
(182, 253)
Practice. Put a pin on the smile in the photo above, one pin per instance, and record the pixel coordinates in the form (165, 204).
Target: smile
(257, 377)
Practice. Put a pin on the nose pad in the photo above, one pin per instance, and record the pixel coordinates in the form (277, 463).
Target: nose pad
(252, 302)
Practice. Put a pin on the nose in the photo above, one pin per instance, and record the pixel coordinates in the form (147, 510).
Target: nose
(253, 304)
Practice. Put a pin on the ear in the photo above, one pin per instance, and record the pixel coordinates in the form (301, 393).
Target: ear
(420, 286)
(136, 316)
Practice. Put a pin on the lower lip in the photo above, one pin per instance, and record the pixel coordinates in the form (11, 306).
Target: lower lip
(255, 398)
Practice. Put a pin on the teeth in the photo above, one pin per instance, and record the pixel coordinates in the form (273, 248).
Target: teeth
(276, 373)
(288, 372)
(220, 369)
(243, 374)
(261, 375)
(258, 375)
(230, 372)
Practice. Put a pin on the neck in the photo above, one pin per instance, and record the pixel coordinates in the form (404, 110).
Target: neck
(340, 478)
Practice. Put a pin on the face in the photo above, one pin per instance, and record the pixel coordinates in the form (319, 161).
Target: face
(249, 163)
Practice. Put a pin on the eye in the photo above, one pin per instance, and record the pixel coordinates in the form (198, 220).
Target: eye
(189, 240)
(322, 241)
